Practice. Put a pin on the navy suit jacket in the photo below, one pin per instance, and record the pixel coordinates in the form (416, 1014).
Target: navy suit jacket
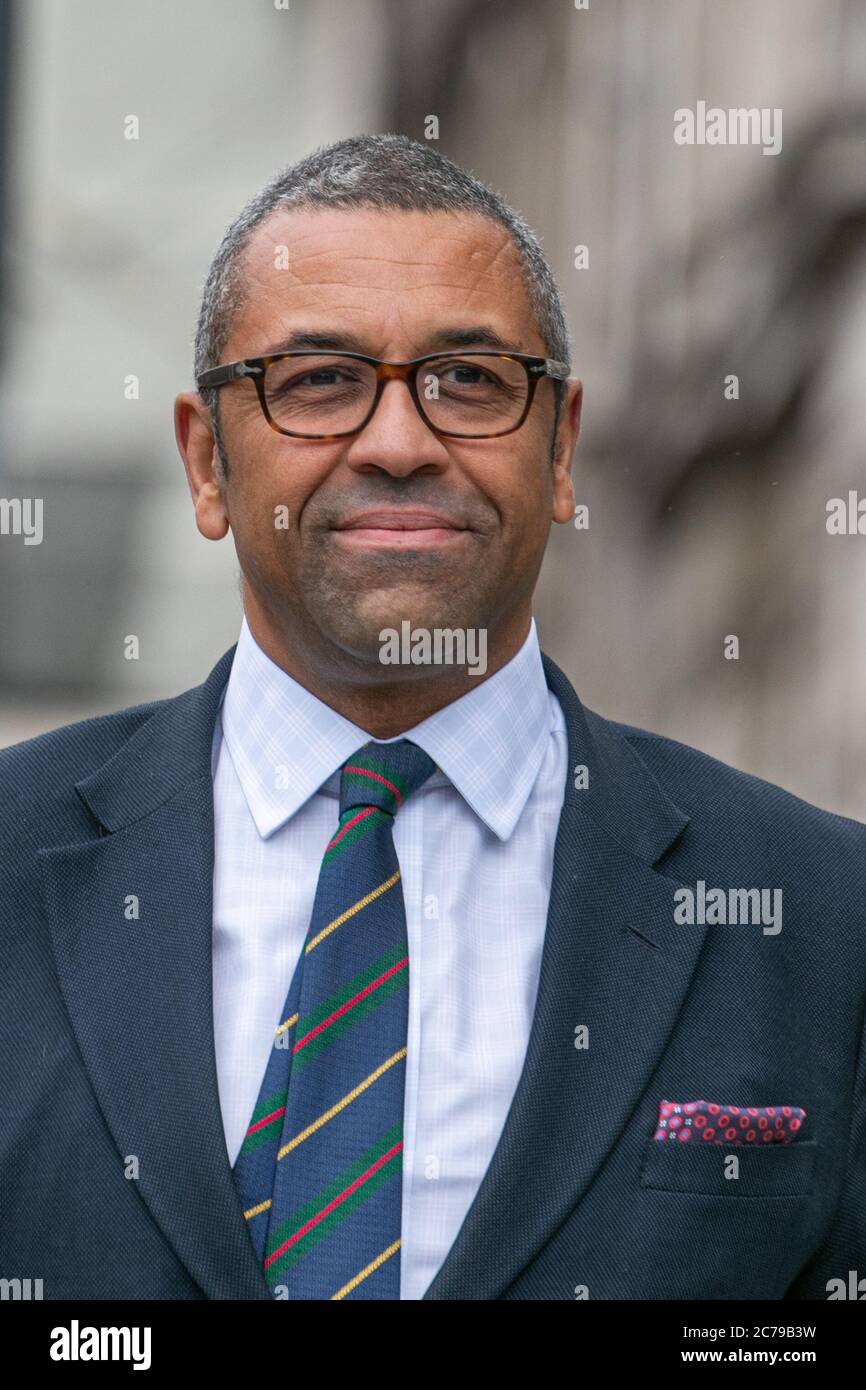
(108, 1053)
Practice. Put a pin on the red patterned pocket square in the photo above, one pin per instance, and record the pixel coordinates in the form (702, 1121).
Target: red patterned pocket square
(711, 1123)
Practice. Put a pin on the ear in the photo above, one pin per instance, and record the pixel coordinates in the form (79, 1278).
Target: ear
(193, 431)
(567, 432)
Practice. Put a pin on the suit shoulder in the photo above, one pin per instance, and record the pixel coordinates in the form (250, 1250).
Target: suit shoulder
(39, 774)
(86, 742)
(695, 781)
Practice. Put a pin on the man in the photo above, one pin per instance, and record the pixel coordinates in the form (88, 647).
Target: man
(378, 967)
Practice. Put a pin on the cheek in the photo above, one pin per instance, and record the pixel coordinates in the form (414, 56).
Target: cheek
(524, 498)
(261, 514)
(267, 497)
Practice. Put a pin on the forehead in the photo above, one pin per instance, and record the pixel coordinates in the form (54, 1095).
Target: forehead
(388, 273)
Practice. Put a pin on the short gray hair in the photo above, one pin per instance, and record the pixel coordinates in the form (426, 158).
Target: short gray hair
(370, 171)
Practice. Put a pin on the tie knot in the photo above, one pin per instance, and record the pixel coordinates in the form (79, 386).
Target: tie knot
(383, 775)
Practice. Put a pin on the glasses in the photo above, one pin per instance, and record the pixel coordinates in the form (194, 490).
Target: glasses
(327, 395)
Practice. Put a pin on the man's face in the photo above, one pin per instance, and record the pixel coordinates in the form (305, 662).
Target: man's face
(394, 281)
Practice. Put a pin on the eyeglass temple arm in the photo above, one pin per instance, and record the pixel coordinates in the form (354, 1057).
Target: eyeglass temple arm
(234, 371)
(550, 367)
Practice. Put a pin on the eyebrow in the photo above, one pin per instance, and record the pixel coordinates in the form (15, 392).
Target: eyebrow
(465, 336)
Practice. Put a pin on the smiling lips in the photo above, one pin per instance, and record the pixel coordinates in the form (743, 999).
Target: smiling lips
(401, 528)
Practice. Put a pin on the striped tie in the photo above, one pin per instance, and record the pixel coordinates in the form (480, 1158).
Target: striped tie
(320, 1169)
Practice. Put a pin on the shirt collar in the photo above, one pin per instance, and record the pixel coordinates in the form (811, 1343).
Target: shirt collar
(285, 743)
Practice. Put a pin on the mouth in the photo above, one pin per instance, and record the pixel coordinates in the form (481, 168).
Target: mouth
(401, 530)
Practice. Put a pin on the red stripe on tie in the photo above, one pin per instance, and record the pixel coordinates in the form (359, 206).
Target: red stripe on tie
(269, 1119)
(366, 772)
(350, 1003)
(348, 826)
(320, 1215)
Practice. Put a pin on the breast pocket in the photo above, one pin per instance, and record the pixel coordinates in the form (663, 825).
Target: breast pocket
(768, 1170)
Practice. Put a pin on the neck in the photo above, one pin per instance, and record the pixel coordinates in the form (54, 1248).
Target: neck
(370, 695)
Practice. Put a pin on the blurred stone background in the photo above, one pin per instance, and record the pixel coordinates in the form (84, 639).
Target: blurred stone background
(707, 515)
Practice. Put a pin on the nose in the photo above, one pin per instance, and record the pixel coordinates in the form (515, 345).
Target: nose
(396, 438)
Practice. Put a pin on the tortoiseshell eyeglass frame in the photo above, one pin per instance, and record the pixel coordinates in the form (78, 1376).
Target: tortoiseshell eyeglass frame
(256, 368)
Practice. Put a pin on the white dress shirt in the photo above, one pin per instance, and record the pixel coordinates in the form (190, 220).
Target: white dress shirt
(475, 847)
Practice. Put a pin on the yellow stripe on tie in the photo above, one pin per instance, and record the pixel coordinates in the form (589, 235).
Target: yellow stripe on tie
(341, 1104)
(350, 912)
(370, 1268)
(288, 1023)
(257, 1211)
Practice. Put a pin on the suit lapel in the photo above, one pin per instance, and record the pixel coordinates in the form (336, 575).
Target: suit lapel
(612, 954)
(138, 991)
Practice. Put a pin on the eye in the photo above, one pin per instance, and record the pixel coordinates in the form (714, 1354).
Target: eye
(464, 373)
(322, 376)
(316, 378)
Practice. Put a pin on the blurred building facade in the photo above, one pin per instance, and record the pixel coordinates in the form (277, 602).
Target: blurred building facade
(706, 514)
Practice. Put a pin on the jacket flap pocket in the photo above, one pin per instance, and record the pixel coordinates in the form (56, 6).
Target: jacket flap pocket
(767, 1170)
